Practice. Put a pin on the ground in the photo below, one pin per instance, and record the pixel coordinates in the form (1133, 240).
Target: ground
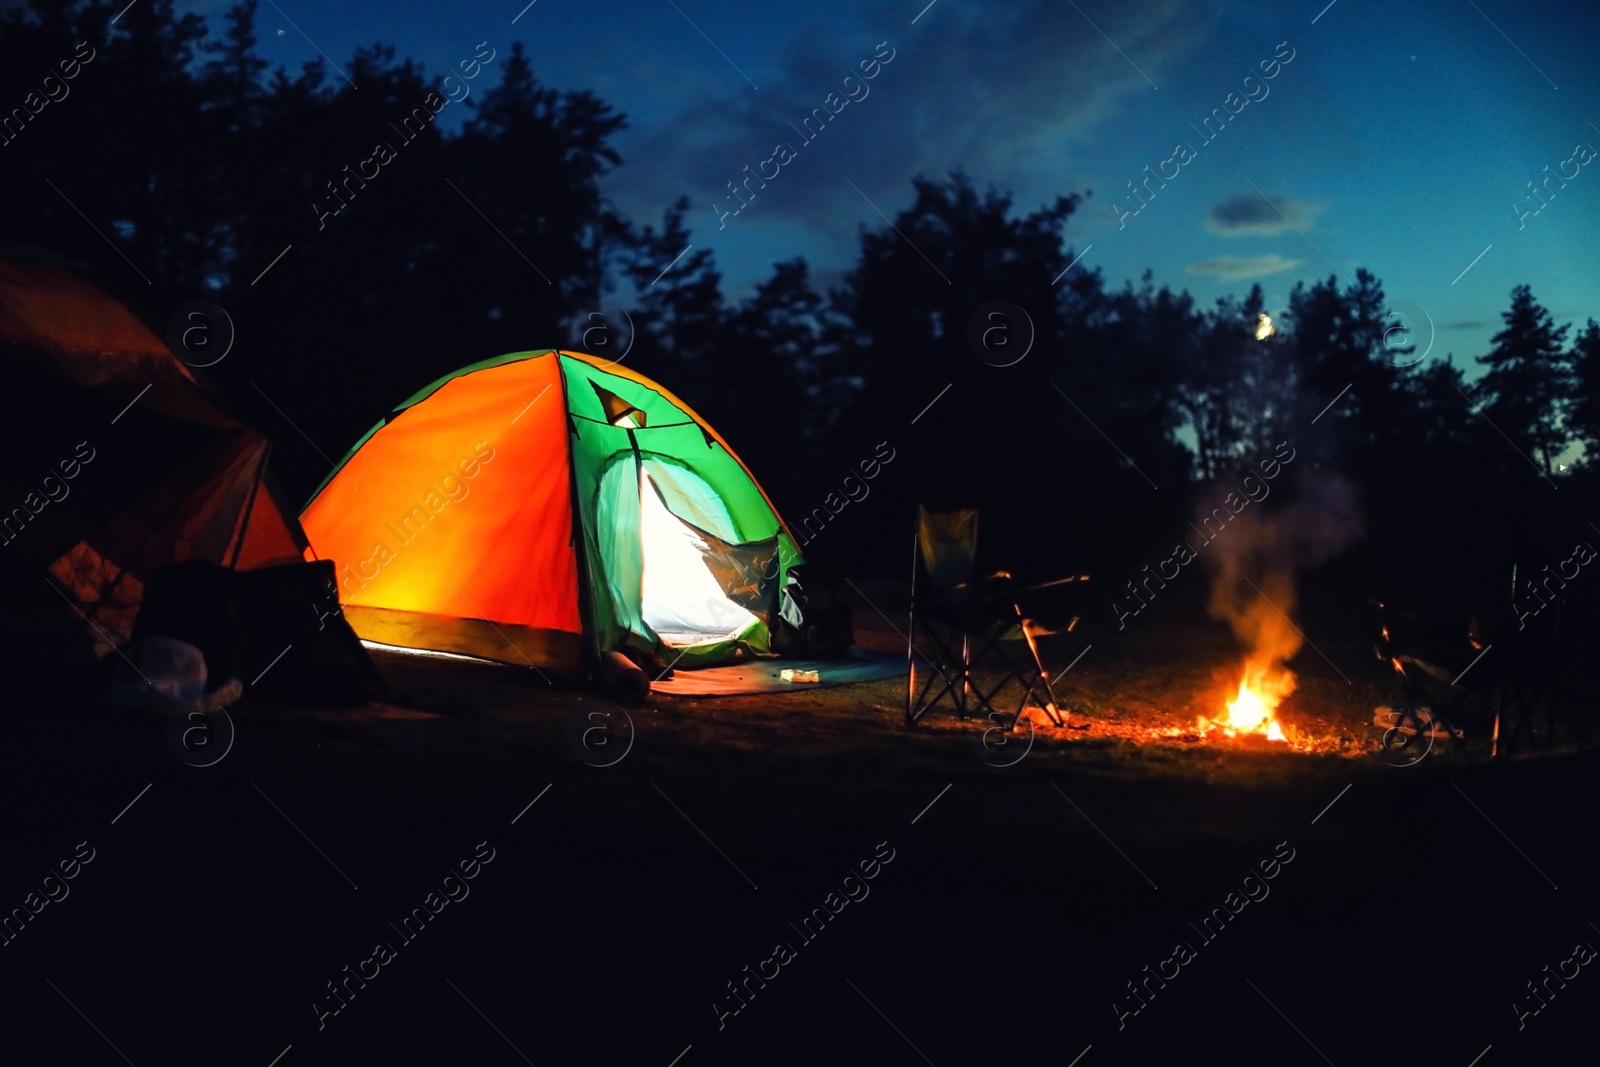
(1407, 908)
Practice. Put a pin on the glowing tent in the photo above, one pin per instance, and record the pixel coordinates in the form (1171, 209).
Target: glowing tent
(543, 508)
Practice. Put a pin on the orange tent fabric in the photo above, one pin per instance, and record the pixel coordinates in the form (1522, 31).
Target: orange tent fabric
(469, 440)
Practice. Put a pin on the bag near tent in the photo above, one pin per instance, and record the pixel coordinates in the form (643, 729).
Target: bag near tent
(276, 628)
(546, 508)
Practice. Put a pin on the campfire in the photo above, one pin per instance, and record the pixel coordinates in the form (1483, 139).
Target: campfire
(1253, 712)
(1253, 591)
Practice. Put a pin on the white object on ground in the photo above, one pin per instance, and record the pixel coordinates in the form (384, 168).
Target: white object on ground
(166, 675)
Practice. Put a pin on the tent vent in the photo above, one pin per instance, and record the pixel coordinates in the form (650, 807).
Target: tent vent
(618, 411)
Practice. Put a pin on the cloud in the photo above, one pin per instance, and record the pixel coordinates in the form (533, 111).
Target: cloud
(1250, 215)
(1232, 268)
(999, 92)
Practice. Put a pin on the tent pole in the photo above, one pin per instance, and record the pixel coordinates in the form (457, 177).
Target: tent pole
(580, 540)
(250, 506)
(911, 635)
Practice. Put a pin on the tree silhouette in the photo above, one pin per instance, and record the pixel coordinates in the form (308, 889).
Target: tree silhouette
(1583, 416)
(1528, 380)
(245, 186)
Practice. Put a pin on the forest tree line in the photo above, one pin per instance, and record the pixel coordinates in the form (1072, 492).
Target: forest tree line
(492, 234)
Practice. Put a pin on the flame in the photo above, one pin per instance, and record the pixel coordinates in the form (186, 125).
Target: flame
(1252, 712)
(1264, 327)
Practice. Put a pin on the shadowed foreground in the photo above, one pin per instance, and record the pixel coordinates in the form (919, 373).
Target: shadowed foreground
(1015, 906)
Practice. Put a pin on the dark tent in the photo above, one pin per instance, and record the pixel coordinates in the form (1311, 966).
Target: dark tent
(115, 461)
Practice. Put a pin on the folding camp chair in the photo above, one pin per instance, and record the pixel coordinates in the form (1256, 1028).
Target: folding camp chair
(1426, 660)
(1525, 676)
(965, 620)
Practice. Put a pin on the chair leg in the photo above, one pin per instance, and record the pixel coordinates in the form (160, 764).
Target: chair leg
(965, 693)
(946, 678)
(1033, 650)
(911, 664)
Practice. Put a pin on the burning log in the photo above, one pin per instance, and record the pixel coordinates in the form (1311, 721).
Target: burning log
(1253, 713)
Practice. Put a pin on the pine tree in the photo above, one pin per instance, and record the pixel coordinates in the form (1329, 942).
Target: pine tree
(1528, 380)
(1583, 415)
(232, 80)
(682, 311)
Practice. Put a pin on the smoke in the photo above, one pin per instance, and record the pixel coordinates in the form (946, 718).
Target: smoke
(1254, 567)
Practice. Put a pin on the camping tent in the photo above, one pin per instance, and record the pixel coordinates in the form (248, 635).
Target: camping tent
(543, 508)
(114, 460)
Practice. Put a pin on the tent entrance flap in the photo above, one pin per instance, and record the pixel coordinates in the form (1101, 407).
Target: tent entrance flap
(680, 597)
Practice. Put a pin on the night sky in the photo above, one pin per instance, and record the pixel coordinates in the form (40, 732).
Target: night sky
(1400, 138)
